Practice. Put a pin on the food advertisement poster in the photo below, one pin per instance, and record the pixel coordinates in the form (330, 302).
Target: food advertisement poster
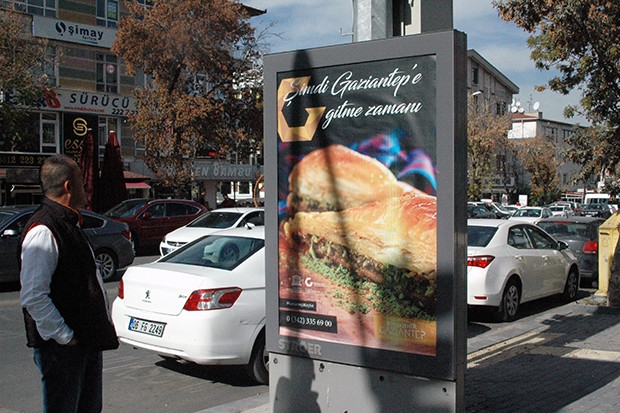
(357, 209)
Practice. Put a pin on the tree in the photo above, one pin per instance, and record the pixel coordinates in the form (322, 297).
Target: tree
(541, 162)
(22, 82)
(581, 40)
(486, 133)
(207, 81)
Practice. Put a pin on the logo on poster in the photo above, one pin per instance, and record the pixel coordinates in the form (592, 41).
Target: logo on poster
(296, 133)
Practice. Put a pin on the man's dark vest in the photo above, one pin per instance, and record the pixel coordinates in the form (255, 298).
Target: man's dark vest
(74, 290)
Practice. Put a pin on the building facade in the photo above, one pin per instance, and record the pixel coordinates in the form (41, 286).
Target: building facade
(90, 90)
(528, 125)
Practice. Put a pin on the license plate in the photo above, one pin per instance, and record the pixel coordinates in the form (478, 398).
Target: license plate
(146, 327)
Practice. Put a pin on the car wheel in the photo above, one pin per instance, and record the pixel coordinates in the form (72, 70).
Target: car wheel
(229, 254)
(106, 261)
(572, 286)
(258, 367)
(509, 306)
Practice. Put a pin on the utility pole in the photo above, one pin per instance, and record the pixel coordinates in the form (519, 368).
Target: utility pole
(378, 19)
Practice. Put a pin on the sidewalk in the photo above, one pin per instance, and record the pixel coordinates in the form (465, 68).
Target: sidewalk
(566, 359)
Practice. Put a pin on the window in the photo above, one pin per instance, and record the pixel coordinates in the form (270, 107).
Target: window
(107, 73)
(518, 239)
(49, 132)
(551, 132)
(48, 67)
(542, 241)
(107, 13)
(40, 7)
(474, 76)
(107, 125)
(500, 108)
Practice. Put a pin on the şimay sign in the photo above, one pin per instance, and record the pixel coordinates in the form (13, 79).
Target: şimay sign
(67, 31)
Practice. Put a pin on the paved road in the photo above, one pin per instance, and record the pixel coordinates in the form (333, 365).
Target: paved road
(134, 380)
(553, 358)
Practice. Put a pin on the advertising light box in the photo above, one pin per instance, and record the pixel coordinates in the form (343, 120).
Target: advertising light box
(363, 154)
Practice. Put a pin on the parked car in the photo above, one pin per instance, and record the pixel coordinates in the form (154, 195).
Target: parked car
(204, 303)
(151, 219)
(597, 210)
(110, 240)
(510, 208)
(561, 210)
(210, 222)
(478, 211)
(511, 262)
(531, 214)
(499, 210)
(581, 235)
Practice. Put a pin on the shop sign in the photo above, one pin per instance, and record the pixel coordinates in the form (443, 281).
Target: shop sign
(68, 31)
(99, 103)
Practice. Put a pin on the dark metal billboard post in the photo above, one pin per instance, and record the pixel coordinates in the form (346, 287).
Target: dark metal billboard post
(365, 147)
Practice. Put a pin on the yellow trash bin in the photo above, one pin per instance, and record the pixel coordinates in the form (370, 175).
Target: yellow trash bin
(608, 234)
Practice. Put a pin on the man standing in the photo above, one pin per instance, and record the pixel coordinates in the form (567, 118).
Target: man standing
(62, 295)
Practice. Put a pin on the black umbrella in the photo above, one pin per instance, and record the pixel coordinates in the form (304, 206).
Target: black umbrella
(112, 189)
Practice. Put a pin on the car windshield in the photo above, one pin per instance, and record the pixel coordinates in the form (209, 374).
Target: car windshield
(565, 229)
(126, 209)
(479, 236)
(216, 251)
(527, 213)
(215, 219)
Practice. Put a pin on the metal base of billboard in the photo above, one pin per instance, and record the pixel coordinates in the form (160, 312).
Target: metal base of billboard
(305, 385)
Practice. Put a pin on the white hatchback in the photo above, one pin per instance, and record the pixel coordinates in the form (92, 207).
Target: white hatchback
(511, 262)
(203, 303)
(216, 220)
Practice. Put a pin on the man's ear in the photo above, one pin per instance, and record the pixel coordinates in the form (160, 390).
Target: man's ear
(68, 186)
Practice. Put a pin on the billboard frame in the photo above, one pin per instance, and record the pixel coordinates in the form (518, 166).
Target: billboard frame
(449, 48)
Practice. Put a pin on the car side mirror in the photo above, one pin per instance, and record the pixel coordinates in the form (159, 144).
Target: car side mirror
(9, 233)
(562, 245)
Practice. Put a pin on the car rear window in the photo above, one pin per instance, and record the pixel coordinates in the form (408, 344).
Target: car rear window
(479, 236)
(565, 229)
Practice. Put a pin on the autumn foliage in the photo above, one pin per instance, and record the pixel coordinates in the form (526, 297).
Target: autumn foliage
(194, 52)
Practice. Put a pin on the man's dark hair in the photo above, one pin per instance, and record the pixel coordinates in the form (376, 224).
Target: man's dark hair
(55, 171)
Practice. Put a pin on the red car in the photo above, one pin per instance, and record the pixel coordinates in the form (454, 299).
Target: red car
(151, 219)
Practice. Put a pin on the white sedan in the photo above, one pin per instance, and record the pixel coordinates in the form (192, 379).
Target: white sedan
(203, 303)
(216, 220)
(531, 214)
(511, 262)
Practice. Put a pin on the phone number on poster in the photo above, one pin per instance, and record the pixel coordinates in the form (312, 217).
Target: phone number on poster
(309, 321)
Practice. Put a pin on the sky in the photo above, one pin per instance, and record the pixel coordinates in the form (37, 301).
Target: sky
(305, 24)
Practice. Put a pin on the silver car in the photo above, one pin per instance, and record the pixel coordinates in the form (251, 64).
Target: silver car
(111, 241)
